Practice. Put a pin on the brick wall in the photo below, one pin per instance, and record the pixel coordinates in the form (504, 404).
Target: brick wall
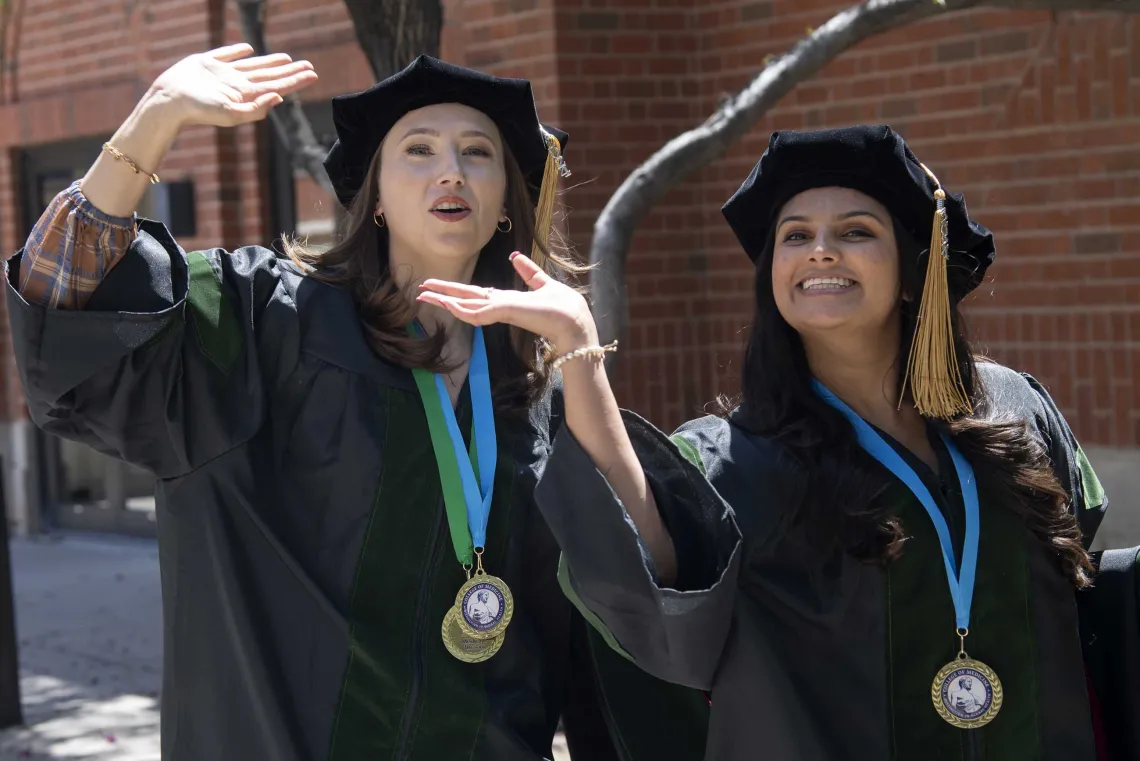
(77, 79)
(1035, 120)
(631, 76)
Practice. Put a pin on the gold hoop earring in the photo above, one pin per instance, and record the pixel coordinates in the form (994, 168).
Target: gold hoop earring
(378, 220)
(510, 226)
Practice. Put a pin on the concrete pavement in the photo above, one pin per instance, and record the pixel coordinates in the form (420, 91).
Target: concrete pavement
(89, 625)
(88, 619)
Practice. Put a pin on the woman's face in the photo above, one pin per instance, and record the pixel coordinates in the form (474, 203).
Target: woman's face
(443, 181)
(835, 262)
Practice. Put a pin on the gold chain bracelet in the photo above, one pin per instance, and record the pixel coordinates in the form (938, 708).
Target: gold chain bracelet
(597, 352)
(130, 162)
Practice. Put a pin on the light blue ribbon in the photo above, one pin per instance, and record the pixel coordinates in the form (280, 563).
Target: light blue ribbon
(961, 582)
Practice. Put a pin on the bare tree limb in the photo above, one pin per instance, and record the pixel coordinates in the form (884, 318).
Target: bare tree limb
(5, 18)
(736, 116)
(15, 29)
(288, 119)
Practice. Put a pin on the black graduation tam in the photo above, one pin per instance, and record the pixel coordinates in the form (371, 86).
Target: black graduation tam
(873, 160)
(876, 161)
(363, 119)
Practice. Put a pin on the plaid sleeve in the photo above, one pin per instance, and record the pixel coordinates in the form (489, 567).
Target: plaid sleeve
(70, 251)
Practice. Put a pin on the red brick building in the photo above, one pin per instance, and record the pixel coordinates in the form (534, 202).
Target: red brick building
(1035, 118)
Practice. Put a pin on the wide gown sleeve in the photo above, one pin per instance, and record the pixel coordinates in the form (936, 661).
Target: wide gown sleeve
(676, 634)
(169, 363)
(1088, 499)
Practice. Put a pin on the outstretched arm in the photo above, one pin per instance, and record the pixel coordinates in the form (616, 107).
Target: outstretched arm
(561, 315)
(88, 228)
(124, 341)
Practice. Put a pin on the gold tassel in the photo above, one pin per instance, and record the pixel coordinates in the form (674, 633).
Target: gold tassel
(544, 211)
(932, 367)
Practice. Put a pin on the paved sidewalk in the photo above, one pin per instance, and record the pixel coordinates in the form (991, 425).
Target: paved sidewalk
(88, 619)
(89, 624)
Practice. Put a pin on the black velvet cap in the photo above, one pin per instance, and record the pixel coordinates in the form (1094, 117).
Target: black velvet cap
(363, 119)
(873, 160)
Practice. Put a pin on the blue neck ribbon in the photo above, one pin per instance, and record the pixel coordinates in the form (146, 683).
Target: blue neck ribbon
(961, 580)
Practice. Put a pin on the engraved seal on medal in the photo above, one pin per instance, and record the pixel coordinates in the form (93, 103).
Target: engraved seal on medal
(967, 694)
(483, 606)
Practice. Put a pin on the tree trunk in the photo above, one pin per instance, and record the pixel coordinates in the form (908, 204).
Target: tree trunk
(393, 32)
(700, 146)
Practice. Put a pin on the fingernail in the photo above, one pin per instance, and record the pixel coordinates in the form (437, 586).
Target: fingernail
(513, 255)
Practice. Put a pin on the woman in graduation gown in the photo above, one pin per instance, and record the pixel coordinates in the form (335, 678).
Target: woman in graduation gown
(877, 553)
(318, 508)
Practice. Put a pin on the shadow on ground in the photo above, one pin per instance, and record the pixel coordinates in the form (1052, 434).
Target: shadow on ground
(88, 619)
(89, 623)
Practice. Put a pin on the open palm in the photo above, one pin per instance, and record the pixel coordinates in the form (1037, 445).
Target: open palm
(548, 308)
(226, 87)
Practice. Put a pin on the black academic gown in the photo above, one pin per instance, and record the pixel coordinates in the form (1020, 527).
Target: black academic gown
(305, 556)
(825, 658)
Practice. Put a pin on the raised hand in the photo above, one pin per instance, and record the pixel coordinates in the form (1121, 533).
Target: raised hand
(225, 87)
(560, 314)
(548, 308)
(220, 88)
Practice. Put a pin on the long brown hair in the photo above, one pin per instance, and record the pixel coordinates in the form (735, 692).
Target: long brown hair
(359, 261)
(839, 504)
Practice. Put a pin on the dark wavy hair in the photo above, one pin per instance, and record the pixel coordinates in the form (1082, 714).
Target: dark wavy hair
(359, 262)
(838, 505)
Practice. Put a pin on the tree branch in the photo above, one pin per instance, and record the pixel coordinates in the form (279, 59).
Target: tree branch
(5, 18)
(288, 119)
(698, 147)
(15, 32)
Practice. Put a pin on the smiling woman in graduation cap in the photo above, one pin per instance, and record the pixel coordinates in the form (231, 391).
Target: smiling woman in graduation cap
(878, 552)
(353, 564)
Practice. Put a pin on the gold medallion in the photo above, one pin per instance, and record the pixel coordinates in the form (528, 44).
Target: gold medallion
(966, 693)
(467, 649)
(484, 606)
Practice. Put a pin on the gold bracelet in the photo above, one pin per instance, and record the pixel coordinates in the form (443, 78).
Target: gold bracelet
(597, 352)
(129, 162)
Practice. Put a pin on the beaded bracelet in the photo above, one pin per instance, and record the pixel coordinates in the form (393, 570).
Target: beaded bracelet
(586, 351)
(119, 155)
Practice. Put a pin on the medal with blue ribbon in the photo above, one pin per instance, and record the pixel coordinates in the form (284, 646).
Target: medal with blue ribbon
(473, 629)
(966, 692)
